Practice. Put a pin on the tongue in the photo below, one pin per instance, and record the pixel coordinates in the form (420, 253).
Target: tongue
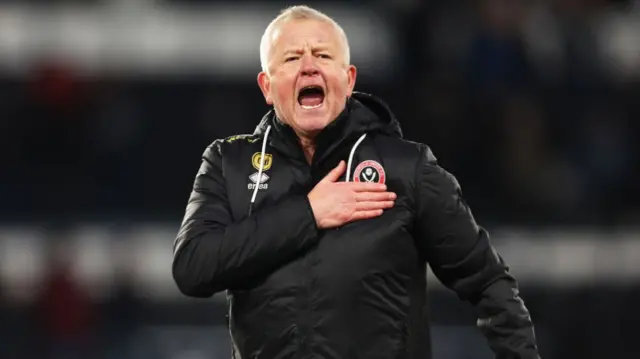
(311, 99)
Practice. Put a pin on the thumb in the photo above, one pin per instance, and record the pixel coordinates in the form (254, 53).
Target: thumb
(335, 173)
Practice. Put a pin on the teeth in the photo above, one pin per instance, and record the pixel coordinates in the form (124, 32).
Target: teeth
(311, 107)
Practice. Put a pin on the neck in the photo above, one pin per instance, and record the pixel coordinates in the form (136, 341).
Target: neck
(308, 147)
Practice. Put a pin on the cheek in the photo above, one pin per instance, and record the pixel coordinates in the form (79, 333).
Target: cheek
(283, 89)
(284, 95)
(340, 84)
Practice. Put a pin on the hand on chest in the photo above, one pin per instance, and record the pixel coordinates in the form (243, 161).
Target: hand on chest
(282, 176)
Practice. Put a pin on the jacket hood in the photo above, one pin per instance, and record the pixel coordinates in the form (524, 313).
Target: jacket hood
(363, 114)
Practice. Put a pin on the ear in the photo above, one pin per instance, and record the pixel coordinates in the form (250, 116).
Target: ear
(265, 86)
(351, 79)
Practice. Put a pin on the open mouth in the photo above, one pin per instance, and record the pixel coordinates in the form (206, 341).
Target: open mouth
(311, 97)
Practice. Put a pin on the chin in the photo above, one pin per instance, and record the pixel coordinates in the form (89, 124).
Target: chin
(313, 125)
(312, 120)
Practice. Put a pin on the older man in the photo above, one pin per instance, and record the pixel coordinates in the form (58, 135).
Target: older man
(320, 225)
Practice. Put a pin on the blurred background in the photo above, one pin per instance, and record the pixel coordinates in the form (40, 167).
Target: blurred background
(107, 105)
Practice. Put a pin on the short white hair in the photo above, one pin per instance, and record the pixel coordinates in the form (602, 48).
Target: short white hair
(298, 12)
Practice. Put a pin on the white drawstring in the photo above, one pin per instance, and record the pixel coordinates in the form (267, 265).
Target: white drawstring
(353, 150)
(262, 155)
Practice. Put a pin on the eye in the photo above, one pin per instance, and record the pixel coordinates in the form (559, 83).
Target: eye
(325, 56)
(291, 58)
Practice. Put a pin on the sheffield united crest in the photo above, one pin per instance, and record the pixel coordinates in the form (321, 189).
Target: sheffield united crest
(369, 171)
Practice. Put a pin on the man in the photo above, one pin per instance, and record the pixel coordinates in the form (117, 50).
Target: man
(320, 225)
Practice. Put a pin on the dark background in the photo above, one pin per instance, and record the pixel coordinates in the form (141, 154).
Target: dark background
(106, 107)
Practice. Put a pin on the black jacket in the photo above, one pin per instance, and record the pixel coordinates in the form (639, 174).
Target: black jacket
(358, 291)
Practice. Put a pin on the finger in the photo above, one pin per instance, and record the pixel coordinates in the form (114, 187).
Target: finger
(359, 215)
(335, 173)
(373, 205)
(375, 196)
(368, 187)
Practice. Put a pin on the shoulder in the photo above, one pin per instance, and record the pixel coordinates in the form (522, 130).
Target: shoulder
(402, 149)
(241, 138)
(414, 160)
(228, 145)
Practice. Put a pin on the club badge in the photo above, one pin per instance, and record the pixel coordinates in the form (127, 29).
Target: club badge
(257, 158)
(369, 171)
(253, 179)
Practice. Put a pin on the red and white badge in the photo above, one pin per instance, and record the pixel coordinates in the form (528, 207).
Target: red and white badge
(369, 171)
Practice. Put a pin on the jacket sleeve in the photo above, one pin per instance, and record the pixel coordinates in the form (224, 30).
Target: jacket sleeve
(461, 256)
(213, 253)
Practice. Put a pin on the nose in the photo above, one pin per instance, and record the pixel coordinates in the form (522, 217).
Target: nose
(308, 67)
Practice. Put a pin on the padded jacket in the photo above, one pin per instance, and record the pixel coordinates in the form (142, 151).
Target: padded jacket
(354, 292)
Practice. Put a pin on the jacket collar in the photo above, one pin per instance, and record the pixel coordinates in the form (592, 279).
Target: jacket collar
(363, 113)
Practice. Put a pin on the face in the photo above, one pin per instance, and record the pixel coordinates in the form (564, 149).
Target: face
(309, 80)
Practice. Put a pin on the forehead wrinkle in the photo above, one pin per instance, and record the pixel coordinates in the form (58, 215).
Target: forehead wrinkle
(313, 48)
(308, 44)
